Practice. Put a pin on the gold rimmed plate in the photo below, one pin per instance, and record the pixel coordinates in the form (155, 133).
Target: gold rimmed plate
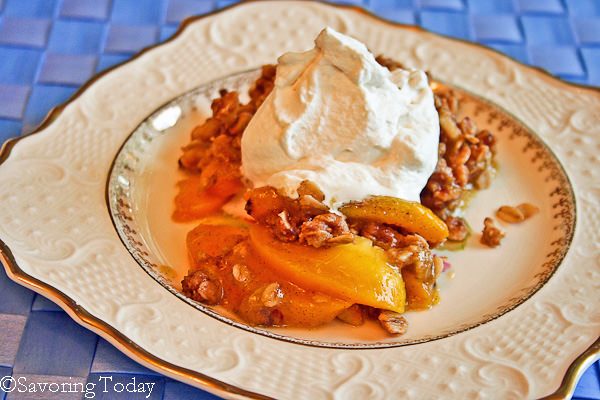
(62, 238)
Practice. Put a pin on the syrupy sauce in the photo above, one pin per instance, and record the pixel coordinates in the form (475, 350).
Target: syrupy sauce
(220, 246)
(250, 289)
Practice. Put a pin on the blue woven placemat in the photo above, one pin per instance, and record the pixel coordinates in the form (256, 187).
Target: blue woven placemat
(50, 47)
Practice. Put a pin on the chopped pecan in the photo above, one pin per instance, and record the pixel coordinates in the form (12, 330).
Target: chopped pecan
(323, 228)
(464, 161)
(457, 228)
(383, 236)
(240, 273)
(308, 188)
(491, 235)
(393, 322)
(271, 295)
(214, 148)
(198, 286)
(448, 124)
(416, 256)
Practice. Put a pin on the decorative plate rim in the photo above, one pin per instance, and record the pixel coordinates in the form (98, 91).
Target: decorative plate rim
(86, 319)
(119, 222)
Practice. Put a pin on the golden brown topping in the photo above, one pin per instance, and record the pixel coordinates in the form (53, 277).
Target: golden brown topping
(465, 157)
(263, 86)
(491, 235)
(214, 148)
(325, 228)
(468, 128)
(393, 322)
(382, 235)
(448, 125)
(404, 256)
(285, 216)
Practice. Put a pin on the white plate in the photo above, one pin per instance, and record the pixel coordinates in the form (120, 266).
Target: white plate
(56, 222)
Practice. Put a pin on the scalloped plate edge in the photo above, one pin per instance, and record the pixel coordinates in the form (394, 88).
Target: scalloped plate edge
(87, 320)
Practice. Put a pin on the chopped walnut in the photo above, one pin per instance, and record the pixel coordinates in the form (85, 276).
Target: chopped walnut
(214, 150)
(464, 161)
(383, 236)
(341, 239)
(308, 188)
(491, 235)
(198, 286)
(323, 229)
(405, 256)
(283, 215)
(448, 124)
(271, 295)
(393, 322)
(414, 255)
(240, 273)
(457, 228)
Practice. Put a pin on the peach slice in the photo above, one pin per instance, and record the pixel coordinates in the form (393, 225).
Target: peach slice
(409, 215)
(357, 272)
(213, 240)
(420, 295)
(193, 201)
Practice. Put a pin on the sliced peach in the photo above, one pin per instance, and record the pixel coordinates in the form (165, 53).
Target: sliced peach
(194, 202)
(246, 278)
(225, 188)
(357, 272)
(296, 308)
(409, 215)
(420, 295)
(213, 240)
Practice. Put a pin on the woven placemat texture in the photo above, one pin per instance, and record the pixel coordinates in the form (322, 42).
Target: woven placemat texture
(48, 48)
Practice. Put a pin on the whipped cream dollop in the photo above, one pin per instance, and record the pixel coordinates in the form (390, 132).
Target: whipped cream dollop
(341, 120)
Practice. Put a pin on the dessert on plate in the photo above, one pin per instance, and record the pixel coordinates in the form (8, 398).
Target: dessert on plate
(324, 194)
